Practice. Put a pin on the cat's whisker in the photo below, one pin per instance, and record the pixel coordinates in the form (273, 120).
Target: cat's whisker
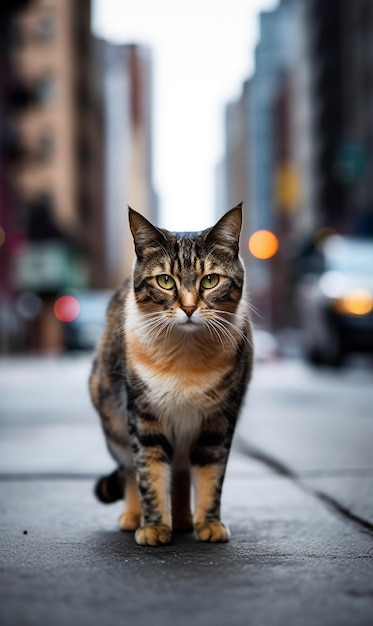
(118, 330)
(238, 330)
(218, 326)
(244, 318)
(156, 329)
(154, 313)
(171, 325)
(206, 325)
(151, 318)
(148, 328)
(152, 322)
(161, 329)
(228, 334)
(252, 308)
(241, 334)
(212, 330)
(149, 322)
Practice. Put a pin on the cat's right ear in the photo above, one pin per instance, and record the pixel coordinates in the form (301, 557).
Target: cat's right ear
(145, 235)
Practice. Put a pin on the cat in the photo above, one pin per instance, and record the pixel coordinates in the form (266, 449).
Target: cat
(169, 376)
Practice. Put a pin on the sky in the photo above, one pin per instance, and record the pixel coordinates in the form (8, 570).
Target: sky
(203, 50)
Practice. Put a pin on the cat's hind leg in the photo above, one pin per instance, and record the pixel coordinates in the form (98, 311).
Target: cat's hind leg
(131, 516)
(116, 486)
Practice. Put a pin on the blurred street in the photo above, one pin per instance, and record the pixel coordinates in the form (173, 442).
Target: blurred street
(297, 498)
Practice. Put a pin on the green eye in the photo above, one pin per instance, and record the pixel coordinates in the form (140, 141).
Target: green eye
(165, 281)
(210, 281)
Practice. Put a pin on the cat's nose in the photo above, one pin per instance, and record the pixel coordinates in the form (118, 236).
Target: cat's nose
(189, 310)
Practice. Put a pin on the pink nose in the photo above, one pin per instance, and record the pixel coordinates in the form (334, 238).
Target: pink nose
(189, 310)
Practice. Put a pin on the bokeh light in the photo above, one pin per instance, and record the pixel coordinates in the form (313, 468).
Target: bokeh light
(66, 308)
(263, 244)
(355, 302)
(28, 305)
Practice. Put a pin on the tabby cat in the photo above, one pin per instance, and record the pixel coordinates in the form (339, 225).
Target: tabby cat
(169, 376)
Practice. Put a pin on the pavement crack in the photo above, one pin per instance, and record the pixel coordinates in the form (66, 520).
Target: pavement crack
(283, 470)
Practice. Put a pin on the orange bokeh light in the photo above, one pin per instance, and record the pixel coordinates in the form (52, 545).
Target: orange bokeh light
(66, 308)
(263, 244)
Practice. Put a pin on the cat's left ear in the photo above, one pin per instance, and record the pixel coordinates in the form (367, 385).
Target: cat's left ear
(227, 231)
(145, 235)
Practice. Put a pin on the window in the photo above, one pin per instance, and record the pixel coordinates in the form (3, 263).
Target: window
(45, 28)
(46, 88)
(46, 146)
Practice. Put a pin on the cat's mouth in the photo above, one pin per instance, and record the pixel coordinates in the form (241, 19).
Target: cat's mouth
(188, 323)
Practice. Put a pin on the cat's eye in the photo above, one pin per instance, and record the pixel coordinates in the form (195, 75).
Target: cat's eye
(165, 281)
(209, 281)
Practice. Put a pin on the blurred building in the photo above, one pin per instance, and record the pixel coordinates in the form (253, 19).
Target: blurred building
(237, 142)
(305, 144)
(341, 35)
(231, 171)
(254, 168)
(46, 139)
(75, 149)
(124, 88)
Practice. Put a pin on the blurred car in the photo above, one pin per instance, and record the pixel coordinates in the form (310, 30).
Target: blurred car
(83, 315)
(335, 300)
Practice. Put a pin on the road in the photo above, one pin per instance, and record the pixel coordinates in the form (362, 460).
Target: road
(297, 497)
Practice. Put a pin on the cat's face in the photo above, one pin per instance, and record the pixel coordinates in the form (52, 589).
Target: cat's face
(189, 282)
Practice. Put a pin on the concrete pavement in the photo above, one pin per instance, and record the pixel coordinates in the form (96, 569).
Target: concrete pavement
(319, 430)
(292, 559)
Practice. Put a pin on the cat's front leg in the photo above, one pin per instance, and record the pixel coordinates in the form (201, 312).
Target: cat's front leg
(209, 458)
(153, 456)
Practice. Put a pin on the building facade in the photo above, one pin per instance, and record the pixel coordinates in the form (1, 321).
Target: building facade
(124, 84)
(341, 35)
(75, 150)
(253, 166)
(48, 153)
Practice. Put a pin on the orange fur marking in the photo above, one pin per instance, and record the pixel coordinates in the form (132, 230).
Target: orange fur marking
(205, 479)
(186, 363)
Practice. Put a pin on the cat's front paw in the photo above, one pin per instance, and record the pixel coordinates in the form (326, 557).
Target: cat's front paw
(212, 531)
(129, 521)
(153, 535)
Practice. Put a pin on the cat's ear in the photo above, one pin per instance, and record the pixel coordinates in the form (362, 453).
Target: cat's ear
(227, 231)
(145, 235)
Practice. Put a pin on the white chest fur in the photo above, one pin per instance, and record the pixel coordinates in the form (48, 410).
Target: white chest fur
(178, 404)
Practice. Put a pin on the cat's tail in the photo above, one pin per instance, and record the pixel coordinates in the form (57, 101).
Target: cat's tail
(109, 489)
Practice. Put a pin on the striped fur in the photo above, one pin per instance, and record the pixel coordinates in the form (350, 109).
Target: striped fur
(169, 377)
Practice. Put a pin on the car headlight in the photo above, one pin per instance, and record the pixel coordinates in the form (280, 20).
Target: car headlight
(354, 302)
(332, 284)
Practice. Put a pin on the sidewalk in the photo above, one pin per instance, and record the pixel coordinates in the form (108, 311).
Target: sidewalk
(319, 431)
(292, 559)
